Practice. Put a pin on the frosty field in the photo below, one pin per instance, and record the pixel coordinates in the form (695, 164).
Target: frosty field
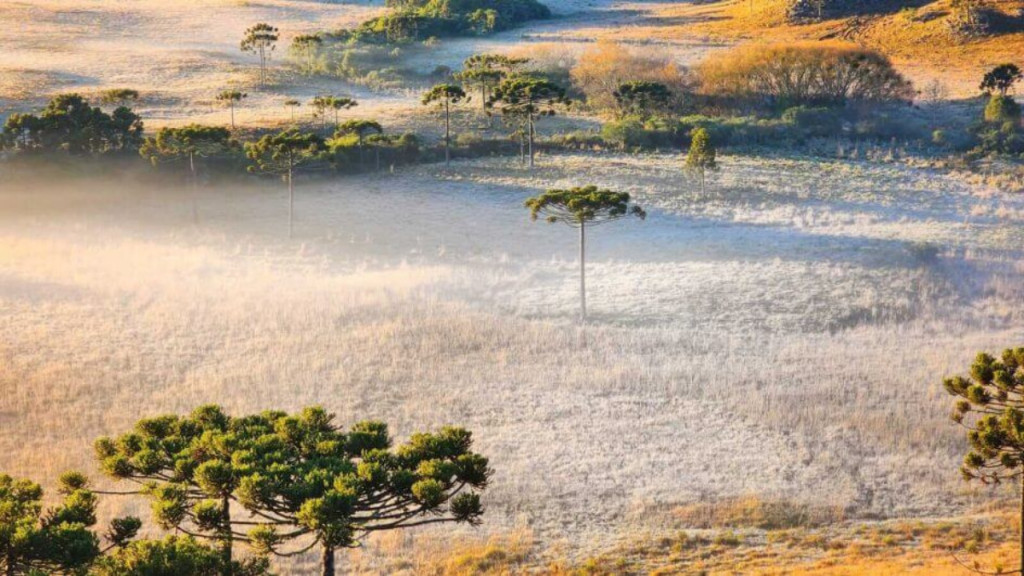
(782, 337)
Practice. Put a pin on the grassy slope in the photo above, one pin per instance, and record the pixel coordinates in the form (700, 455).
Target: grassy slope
(919, 44)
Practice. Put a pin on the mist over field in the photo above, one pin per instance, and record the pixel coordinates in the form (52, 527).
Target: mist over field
(780, 338)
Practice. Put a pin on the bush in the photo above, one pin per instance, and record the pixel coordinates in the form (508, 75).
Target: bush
(786, 75)
(815, 121)
(606, 66)
(633, 132)
(1002, 109)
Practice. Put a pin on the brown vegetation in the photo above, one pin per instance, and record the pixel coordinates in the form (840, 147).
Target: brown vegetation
(601, 69)
(804, 73)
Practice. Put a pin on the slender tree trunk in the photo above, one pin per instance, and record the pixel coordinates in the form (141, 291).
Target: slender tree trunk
(447, 128)
(291, 198)
(327, 561)
(583, 272)
(9, 564)
(194, 187)
(232, 107)
(702, 191)
(226, 543)
(522, 146)
(529, 128)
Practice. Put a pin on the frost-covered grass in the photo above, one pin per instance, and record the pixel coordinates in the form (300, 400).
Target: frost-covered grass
(783, 336)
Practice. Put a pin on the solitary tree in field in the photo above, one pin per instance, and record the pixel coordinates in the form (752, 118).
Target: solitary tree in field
(642, 98)
(292, 105)
(701, 157)
(54, 541)
(188, 143)
(231, 98)
(819, 7)
(282, 154)
(305, 48)
(119, 96)
(580, 207)
(990, 406)
(525, 99)
(260, 39)
(1001, 79)
(445, 95)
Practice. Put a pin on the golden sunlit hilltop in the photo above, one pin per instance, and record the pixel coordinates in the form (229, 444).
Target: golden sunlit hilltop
(496, 287)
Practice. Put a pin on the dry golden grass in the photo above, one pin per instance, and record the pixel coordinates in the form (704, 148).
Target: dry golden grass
(917, 40)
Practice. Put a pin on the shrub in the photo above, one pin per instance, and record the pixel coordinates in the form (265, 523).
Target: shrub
(785, 75)
(815, 121)
(1002, 108)
(416, 20)
(601, 70)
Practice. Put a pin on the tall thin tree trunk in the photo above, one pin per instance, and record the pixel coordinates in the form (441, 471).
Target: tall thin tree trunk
(232, 107)
(447, 128)
(327, 561)
(583, 272)
(702, 191)
(194, 187)
(291, 198)
(226, 551)
(529, 128)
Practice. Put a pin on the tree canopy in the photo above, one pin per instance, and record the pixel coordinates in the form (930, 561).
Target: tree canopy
(300, 477)
(582, 205)
(68, 123)
(1001, 79)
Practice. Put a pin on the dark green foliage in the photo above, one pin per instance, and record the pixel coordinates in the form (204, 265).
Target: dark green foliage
(360, 129)
(485, 71)
(1000, 132)
(990, 402)
(421, 19)
(58, 540)
(701, 156)
(283, 152)
(584, 205)
(69, 124)
(173, 556)
(188, 143)
(301, 477)
(1001, 79)
(642, 98)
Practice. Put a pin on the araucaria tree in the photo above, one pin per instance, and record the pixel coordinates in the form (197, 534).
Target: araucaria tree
(119, 96)
(1000, 80)
(260, 39)
(188, 143)
(285, 483)
(990, 406)
(282, 154)
(579, 208)
(524, 99)
(58, 540)
(231, 98)
(486, 71)
(701, 157)
(305, 49)
(445, 95)
(642, 98)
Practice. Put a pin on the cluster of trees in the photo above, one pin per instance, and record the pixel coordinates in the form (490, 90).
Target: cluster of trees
(519, 97)
(70, 124)
(278, 484)
(412, 20)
